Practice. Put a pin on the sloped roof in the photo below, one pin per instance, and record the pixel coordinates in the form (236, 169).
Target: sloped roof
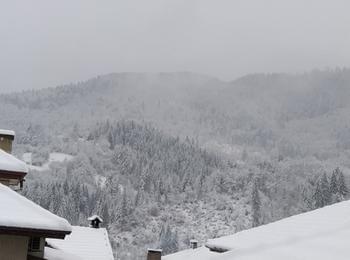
(85, 242)
(96, 217)
(7, 132)
(11, 164)
(18, 214)
(321, 234)
(55, 254)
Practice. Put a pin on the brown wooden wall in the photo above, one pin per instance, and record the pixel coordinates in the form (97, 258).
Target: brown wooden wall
(6, 144)
(13, 247)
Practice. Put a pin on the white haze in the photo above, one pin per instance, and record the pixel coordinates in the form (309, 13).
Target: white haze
(47, 43)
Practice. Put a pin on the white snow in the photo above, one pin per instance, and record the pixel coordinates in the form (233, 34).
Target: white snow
(54, 254)
(95, 217)
(18, 211)
(100, 180)
(10, 163)
(321, 234)
(85, 242)
(27, 158)
(7, 132)
(53, 157)
(60, 157)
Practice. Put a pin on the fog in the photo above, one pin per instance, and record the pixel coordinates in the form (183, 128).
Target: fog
(47, 43)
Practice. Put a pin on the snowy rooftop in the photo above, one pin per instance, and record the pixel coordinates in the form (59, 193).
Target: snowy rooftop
(85, 242)
(95, 217)
(19, 212)
(7, 132)
(54, 254)
(10, 163)
(321, 234)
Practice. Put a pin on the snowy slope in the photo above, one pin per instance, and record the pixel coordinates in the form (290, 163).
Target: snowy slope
(85, 242)
(53, 158)
(17, 211)
(322, 234)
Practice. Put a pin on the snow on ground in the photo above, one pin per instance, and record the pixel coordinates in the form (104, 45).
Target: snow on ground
(17, 211)
(85, 242)
(321, 234)
(54, 254)
(27, 158)
(10, 163)
(235, 152)
(59, 157)
(53, 157)
(100, 180)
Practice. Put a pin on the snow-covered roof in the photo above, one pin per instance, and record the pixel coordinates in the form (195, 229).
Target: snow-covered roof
(55, 254)
(17, 212)
(95, 217)
(321, 234)
(10, 163)
(85, 242)
(155, 250)
(7, 132)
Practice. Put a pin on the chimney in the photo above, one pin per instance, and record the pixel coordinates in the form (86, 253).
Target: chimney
(95, 221)
(193, 243)
(154, 254)
(6, 139)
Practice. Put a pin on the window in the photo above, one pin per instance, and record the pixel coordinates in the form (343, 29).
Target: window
(34, 244)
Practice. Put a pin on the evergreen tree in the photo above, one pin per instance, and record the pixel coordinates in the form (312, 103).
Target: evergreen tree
(168, 240)
(326, 195)
(322, 195)
(105, 215)
(256, 205)
(342, 188)
(124, 213)
(334, 182)
(317, 196)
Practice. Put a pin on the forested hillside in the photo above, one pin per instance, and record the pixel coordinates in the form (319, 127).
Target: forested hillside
(173, 156)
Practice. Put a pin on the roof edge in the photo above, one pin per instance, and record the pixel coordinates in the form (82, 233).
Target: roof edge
(13, 174)
(18, 231)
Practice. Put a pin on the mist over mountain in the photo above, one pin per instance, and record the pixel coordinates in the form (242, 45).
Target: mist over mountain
(257, 110)
(182, 151)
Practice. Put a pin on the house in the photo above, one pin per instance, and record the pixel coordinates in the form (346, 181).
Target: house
(89, 243)
(30, 232)
(322, 234)
(24, 225)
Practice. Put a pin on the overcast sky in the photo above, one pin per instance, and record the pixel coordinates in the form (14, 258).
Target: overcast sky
(47, 43)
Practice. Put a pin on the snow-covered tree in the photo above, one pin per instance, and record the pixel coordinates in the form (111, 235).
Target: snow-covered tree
(168, 239)
(256, 205)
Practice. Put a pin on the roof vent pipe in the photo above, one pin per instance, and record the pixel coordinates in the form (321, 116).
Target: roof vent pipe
(154, 254)
(193, 243)
(95, 221)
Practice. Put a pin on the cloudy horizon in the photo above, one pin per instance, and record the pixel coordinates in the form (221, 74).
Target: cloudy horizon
(52, 43)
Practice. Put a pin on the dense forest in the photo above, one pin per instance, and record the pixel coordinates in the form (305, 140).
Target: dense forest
(173, 156)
